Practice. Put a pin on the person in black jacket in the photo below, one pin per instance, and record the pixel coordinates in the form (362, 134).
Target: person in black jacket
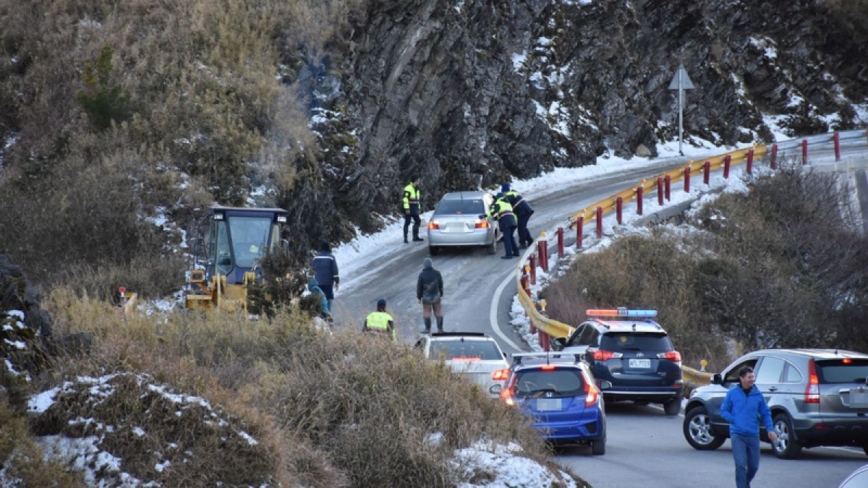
(429, 291)
(326, 267)
(523, 211)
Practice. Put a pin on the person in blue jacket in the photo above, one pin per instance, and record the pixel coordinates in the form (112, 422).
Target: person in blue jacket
(325, 267)
(315, 289)
(742, 407)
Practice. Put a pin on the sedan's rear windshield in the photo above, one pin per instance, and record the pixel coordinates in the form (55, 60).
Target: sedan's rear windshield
(636, 341)
(481, 350)
(470, 207)
(560, 382)
(837, 371)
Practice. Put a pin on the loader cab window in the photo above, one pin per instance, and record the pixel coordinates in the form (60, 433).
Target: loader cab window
(250, 236)
(219, 250)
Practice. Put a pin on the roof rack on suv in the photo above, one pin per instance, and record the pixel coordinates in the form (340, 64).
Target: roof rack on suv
(548, 356)
(458, 334)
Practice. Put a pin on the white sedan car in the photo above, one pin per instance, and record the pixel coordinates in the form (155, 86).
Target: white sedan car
(474, 356)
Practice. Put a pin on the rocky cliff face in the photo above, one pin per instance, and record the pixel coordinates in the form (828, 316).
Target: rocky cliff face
(469, 93)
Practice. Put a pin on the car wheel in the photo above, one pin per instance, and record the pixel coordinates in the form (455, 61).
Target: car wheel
(433, 250)
(672, 408)
(598, 446)
(787, 446)
(492, 248)
(697, 430)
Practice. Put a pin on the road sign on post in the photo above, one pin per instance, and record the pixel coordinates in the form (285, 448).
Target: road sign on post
(680, 82)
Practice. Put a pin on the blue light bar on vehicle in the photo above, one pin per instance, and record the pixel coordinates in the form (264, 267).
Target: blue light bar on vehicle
(621, 312)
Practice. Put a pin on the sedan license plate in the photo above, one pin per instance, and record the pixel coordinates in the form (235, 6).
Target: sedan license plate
(859, 398)
(548, 404)
(640, 363)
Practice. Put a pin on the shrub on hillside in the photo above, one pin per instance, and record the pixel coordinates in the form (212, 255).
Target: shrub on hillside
(781, 266)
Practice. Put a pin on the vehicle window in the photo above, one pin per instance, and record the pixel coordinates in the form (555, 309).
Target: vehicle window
(732, 375)
(634, 341)
(469, 350)
(792, 374)
(836, 371)
(593, 338)
(473, 206)
(770, 371)
(560, 381)
(579, 336)
(249, 236)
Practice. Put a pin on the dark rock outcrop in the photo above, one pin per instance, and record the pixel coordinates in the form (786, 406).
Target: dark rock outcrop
(469, 94)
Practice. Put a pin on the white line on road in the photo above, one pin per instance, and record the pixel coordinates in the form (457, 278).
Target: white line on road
(492, 313)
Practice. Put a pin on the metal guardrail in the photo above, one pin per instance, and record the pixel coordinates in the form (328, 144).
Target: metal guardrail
(692, 377)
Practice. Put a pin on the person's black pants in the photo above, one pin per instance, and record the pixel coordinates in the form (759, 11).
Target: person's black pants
(414, 216)
(524, 237)
(509, 244)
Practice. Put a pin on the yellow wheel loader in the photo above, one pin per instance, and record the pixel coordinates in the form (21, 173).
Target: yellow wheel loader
(228, 258)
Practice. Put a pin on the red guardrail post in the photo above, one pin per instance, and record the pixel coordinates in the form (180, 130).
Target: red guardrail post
(640, 191)
(687, 179)
(837, 139)
(804, 151)
(619, 209)
(599, 221)
(750, 162)
(706, 172)
(544, 341)
(727, 161)
(580, 231)
(532, 263)
(543, 250)
(774, 159)
(560, 242)
(667, 183)
(660, 191)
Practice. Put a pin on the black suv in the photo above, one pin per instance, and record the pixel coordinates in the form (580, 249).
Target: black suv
(633, 353)
(817, 397)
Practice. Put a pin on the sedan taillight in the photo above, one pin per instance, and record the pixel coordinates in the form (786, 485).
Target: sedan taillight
(481, 224)
(433, 225)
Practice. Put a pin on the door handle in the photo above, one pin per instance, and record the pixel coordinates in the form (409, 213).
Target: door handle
(773, 388)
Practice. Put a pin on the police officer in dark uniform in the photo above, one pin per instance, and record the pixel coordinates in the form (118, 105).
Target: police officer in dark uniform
(411, 208)
(523, 211)
(502, 211)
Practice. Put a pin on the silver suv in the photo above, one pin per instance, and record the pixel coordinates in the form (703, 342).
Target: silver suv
(817, 397)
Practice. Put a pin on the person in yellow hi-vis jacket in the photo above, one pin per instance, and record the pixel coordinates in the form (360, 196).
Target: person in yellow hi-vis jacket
(380, 322)
(411, 208)
(502, 211)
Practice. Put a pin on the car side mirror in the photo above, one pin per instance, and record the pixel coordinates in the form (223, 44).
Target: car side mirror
(605, 385)
(716, 379)
(495, 389)
(559, 343)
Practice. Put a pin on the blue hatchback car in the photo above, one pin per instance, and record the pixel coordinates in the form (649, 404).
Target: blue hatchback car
(560, 393)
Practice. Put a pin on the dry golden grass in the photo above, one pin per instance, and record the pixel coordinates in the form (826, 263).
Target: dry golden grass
(330, 411)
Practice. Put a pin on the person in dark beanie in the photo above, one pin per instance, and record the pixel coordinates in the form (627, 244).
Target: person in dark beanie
(411, 208)
(326, 268)
(380, 322)
(522, 210)
(429, 291)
